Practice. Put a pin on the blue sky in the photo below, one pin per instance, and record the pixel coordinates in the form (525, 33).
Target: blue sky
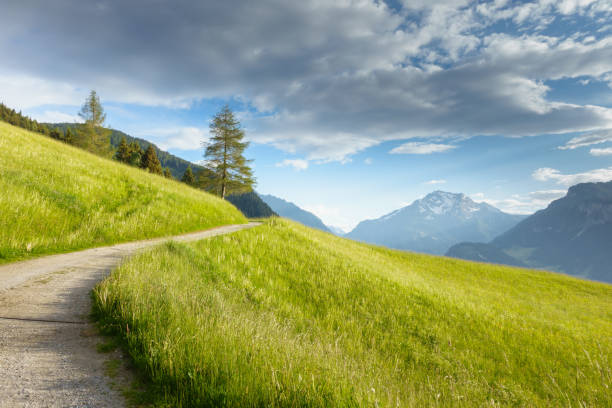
(353, 108)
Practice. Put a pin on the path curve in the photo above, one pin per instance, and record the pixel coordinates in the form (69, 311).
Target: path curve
(48, 354)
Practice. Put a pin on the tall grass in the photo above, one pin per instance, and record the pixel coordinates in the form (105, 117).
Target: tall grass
(57, 198)
(283, 315)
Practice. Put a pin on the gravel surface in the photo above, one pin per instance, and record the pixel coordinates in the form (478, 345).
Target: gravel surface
(48, 354)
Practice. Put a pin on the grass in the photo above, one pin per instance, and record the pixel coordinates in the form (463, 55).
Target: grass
(283, 315)
(57, 198)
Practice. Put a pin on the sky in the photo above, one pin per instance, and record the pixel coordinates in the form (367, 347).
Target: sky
(353, 108)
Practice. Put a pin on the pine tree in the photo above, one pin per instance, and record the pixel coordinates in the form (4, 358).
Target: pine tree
(150, 161)
(55, 134)
(123, 152)
(231, 173)
(188, 177)
(135, 154)
(92, 136)
(167, 173)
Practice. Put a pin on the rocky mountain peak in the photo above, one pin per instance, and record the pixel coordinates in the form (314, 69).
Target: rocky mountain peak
(442, 203)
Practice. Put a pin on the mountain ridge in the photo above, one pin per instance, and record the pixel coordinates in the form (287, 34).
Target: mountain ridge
(571, 235)
(290, 210)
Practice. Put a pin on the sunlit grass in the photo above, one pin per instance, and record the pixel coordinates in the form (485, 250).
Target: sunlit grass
(57, 198)
(283, 315)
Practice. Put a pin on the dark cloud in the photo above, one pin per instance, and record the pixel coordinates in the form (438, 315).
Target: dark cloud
(334, 77)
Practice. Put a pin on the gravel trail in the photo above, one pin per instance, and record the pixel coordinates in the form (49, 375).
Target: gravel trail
(48, 354)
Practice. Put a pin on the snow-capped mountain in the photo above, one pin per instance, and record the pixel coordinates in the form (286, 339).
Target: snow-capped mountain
(443, 203)
(435, 223)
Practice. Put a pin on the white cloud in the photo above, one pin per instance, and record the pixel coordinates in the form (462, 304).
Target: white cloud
(546, 196)
(596, 175)
(297, 164)
(52, 116)
(22, 91)
(587, 139)
(368, 160)
(432, 182)
(421, 148)
(522, 204)
(183, 138)
(601, 152)
(288, 132)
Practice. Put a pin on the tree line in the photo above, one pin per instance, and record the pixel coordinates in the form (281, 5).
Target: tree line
(227, 171)
(15, 118)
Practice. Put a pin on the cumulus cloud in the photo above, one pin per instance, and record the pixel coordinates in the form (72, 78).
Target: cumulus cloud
(52, 116)
(26, 91)
(596, 175)
(326, 79)
(587, 139)
(421, 148)
(601, 152)
(297, 164)
(183, 138)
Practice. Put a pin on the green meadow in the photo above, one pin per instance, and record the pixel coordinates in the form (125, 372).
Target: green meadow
(57, 198)
(282, 315)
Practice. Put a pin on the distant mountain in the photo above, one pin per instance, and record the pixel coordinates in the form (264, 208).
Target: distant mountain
(336, 230)
(293, 212)
(251, 205)
(434, 223)
(176, 165)
(572, 235)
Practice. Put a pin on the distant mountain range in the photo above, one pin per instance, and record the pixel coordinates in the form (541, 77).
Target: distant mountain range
(176, 165)
(434, 223)
(572, 235)
(251, 205)
(337, 230)
(293, 212)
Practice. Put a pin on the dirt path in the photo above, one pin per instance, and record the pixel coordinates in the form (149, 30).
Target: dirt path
(48, 354)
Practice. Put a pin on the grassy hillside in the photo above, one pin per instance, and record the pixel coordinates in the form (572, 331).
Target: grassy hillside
(57, 198)
(284, 315)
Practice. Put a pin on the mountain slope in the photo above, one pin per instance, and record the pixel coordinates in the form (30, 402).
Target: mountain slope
(480, 252)
(572, 235)
(287, 316)
(176, 165)
(251, 205)
(435, 223)
(337, 230)
(293, 212)
(58, 198)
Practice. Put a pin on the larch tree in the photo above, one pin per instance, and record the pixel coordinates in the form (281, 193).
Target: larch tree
(92, 136)
(167, 173)
(229, 169)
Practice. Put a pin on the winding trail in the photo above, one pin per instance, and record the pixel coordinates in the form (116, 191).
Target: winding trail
(48, 354)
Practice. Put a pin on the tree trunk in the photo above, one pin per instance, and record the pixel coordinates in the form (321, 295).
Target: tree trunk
(224, 180)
